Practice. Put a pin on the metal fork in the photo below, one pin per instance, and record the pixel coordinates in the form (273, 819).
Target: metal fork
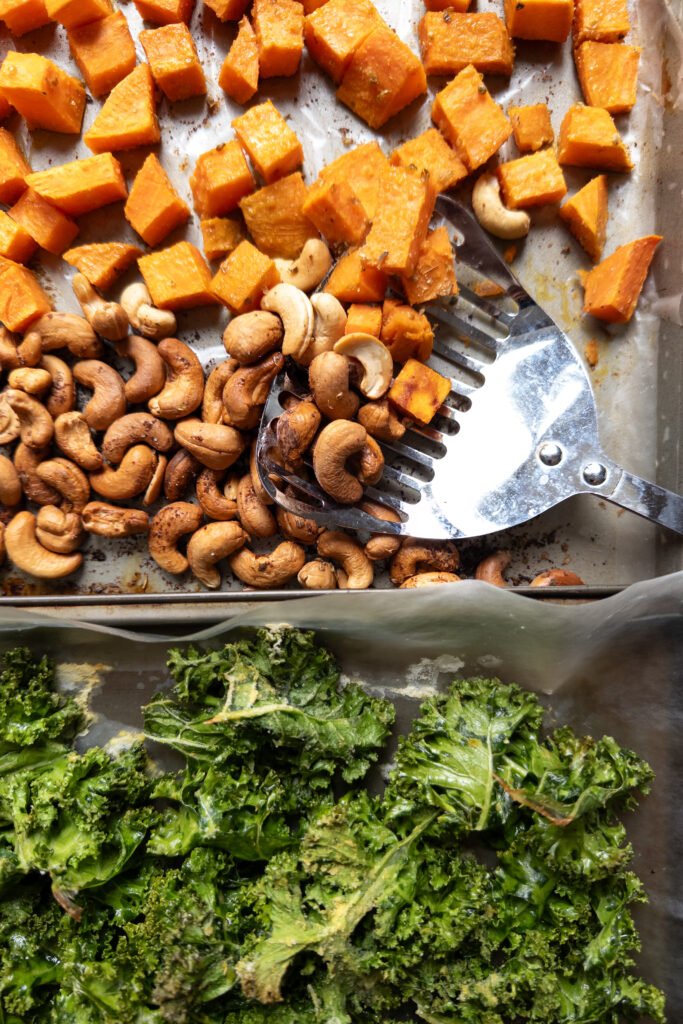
(517, 434)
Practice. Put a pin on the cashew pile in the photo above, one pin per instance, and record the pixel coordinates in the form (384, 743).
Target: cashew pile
(168, 452)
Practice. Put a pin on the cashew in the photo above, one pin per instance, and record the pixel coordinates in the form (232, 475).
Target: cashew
(381, 545)
(66, 478)
(143, 316)
(491, 569)
(10, 484)
(380, 420)
(253, 514)
(261, 492)
(35, 423)
(113, 521)
(9, 422)
(370, 463)
(296, 312)
(247, 389)
(417, 556)
(329, 324)
(106, 318)
(492, 214)
(341, 548)
(273, 570)
(212, 499)
(209, 545)
(62, 395)
(67, 330)
(212, 444)
(154, 487)
(251, 336)
(374, 357)
(31, 380)
(295, 430)
(72, 435)
(26, 462)
(58, 530)
(150, 372)
(108, 402)
(130, 478)
(318, 575)
(557, 578)
(135, 428)
(14, 353)
(184, 387)
(179, 474)
(336, 443)
(328, 378)
(296, 527)
(27, 554)
(212, 403)
(310, 267)
(166, 529)
(428, 579)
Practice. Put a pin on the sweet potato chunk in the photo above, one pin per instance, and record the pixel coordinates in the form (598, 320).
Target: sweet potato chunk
(336, 30)
(243, 278)
(382, 77)
(128, 117)
(268, 141)
(220, 179)
(443, 5)
(23, 16)
(531, 126)
(173, 61)
(608, 73)
(430, 154)
(313, 5)
(22, 300)
(362, 318)
(82, 185)
(165, 12)
(279, 29)
(50, 228)
(227, 10)
(606, 21)
(104, 51)
(220, 236)
(449, 41)
(15, 242)
(589, 138)
(586, 215)
(5, 108)
(434, 273)
(613, 287)
(72, 13)
(350, 281)
(102, 262)
(44, 95)
(401, 222)
(362, 169)
(539, 19)
(177, 277)
(470, 118)
(240, 71)
(405, 332)
(154, 208)
(14, 168)
(419, 391)
(336, 211)
(275, 218)
(532, 180)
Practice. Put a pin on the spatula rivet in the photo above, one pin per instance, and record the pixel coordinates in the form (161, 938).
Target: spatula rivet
(550, 454)
(594, 474)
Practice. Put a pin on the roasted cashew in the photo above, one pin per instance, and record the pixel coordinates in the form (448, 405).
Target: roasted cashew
(273, 570)
(492, 214)
(381, 545)
(380, 421)
(29, 555)
(212, 444)
(113, 521)
(295, 527)
(30, 379)
(10, 427)
(374, 357)
(318, 575)
(417, 556)
(296, 428)
(166, 529)
(14, 353)
(179, 474)
(254, 515)
(135, 428)
(212, 499)
(10, 484)
(212, 403)
(155, 486)
(106, 318)
(328, 379)
(428, 579)
(557, 578)
(150, 372)
(296, 312)
(370, 463)
(73, 437)
(209, 545)
(261, 492)
(66, 478)
(62, 395)
(309, 268)
(26, 462)
(341, 548)
(67, 330)
(129, 478)
(247, 389)
(251, 336)
(36, 426)
(184, 387)
(108, 402)
(336, 443)
(143, 316)
(58, 530)
(491, 569)
(329, 324)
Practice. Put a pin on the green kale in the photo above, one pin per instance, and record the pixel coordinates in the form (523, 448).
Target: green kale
(30, 710)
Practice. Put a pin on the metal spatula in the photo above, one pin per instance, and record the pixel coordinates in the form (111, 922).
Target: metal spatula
(517, 434)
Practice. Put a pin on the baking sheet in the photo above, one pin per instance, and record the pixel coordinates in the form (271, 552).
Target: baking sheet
(639, 375)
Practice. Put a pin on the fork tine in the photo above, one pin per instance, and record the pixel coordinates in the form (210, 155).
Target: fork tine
(382, 498)
(464, 362)
(484, 306)
(464, 330)
(404, 479)
(404, 451)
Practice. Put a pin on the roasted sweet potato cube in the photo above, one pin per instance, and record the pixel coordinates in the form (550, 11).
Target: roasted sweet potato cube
(82, 185)
(240, 71)
(336, 211)
(313, 5)
(23, 16)
(173, 61)
(613, 287)
(5, 108)
(608, 73)
(104, 51)
(586, 215)
(220, 179)
(22, 300)
(279, 29)
(350, 281)
(220, 236)
(401, 221)
(430, 154)
(14, 168)
(434, 273)
(449, 41)
(336, 30)
(15, 242)
(165, 12)
(44, 95)
(470, 118)
(444, 5)
(128, 117)
(589, 138)
(50, 228)
(268, 141)
(243, 278)
(177, 277)
(275, 218)
(72, 13)
(362, 169)
(539, 19)
(531, 126)
(606, 21)
(405, 332)
(419, 391)
(103, 262)
(532, 180)
(154, 208)
(227, 10)
(382, 77)
(362, 318)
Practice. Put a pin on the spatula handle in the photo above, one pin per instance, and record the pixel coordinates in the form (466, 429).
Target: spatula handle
(632, 492)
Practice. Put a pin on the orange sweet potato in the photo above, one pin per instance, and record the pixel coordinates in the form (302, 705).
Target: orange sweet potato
(275, 218)
(470, 119)
(531, 126)
(240, 71)
(154, 208)
(608, 73)
(606, 21)
(23, 16)
(165, 12)
(173, 61)
(539, 19)
(449, 41)
(44, 95)
(14, 168)
(362, 318)
(5, 108)
(434, 273)
(128, 117)
(336, 211)
(589, 138)
(220, 179)
(313, 5)
(382, 77)
(443, 5)
(613, 287)
(243, 278)
(22, 300)
(586, 215)
(220, 236)
(362, 169)
(350, 281)
(82, 185)
(227, 10)
(15, 242)
(419, 391)
(336, 30)
(532, 180)
(50, 228)
(72, 13)
(102, 262)
(104, 51)
(430, 154)
(177, 277)
(401, 222)
(268, 141)
(405, 332)
(279, 29)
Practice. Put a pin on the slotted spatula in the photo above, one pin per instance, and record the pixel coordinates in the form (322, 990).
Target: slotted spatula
(517, 434)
